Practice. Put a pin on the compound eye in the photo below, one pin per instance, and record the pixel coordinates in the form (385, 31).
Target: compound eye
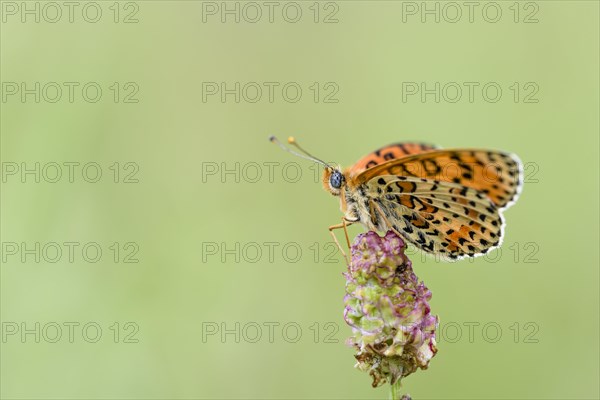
(336, 180)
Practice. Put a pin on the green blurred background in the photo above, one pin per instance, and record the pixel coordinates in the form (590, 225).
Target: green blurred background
(202, 235)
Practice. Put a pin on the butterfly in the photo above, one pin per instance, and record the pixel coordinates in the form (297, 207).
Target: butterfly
(448, 203)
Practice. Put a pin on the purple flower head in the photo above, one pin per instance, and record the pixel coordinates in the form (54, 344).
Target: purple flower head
(388, 310)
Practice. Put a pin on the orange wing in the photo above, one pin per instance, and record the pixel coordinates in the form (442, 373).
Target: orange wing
(497, 174)
(388, 153)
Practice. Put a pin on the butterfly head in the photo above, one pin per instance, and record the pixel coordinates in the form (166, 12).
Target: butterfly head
(333, 178)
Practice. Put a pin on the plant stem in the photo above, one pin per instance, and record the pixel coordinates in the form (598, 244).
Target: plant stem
(395, 390)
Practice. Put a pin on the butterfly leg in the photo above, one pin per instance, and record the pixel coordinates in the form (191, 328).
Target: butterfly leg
(343, 225)
(346, 222)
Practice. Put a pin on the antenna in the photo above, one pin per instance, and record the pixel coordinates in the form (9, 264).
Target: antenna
(306, 155)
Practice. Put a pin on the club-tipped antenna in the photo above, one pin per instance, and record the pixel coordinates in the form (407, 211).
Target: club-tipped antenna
(306, 155)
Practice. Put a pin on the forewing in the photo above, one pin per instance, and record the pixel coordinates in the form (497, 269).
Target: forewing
(438, 217)
(496, 174)
(388, 153)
